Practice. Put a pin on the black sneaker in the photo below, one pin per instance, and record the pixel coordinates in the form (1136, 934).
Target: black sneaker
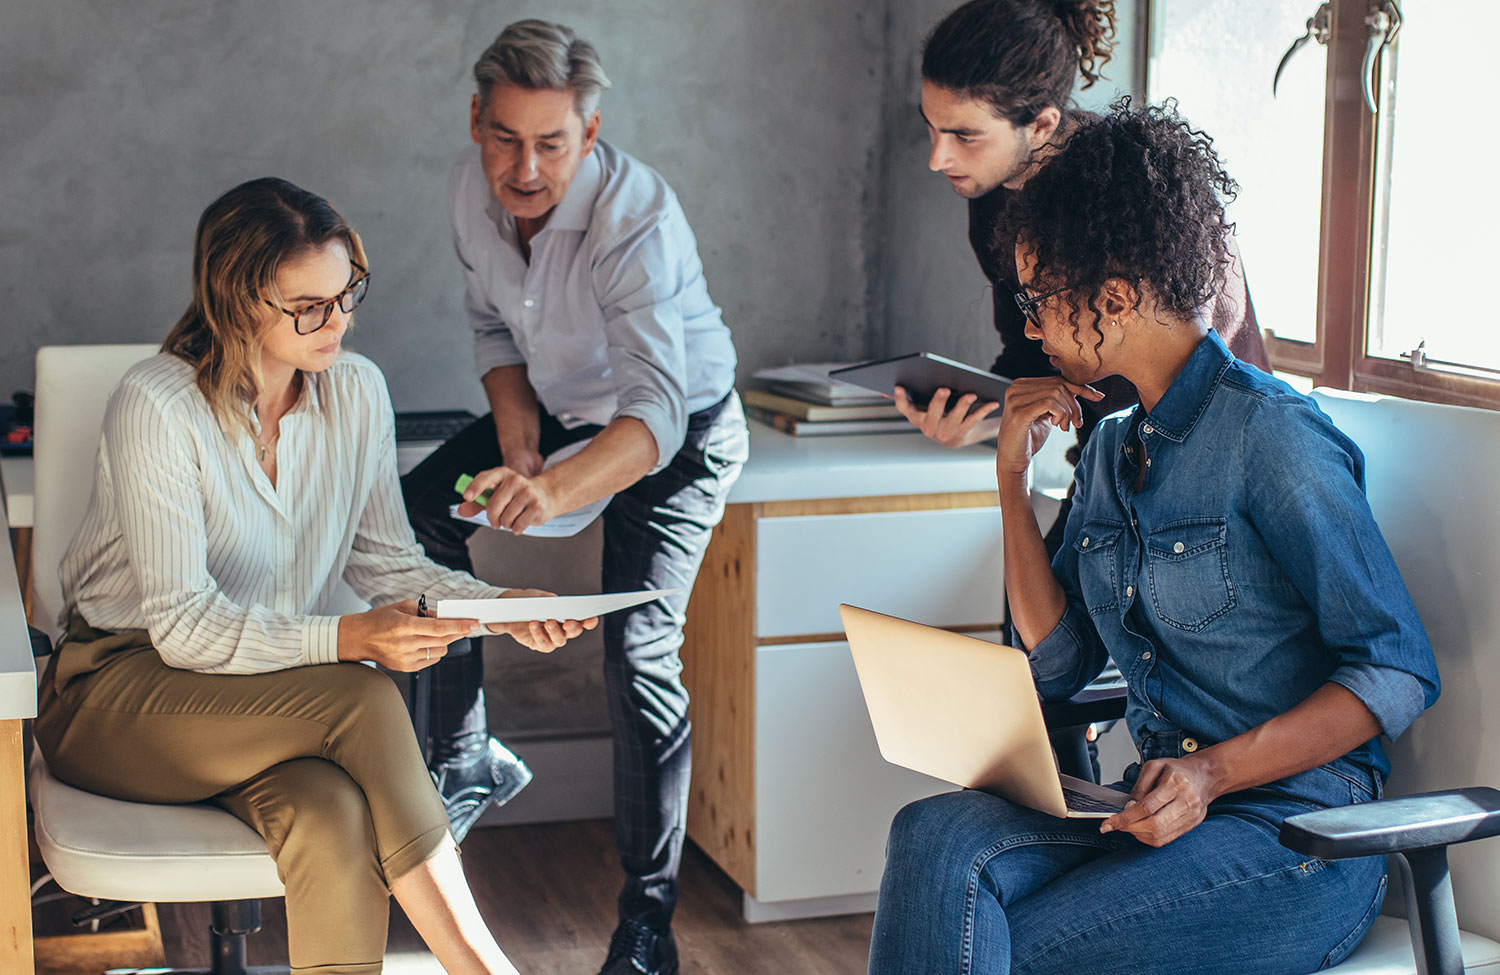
(469, 785)
(635, 949)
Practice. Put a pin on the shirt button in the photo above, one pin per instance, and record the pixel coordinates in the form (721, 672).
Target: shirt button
(1190, 745)
(1146, 655)
(1178, 547)
(1085, 542)
(1145, 428)
(1130, 590)
(1148, 461)
(529, 302)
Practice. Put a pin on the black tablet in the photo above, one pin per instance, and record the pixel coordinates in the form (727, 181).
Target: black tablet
(922, 374)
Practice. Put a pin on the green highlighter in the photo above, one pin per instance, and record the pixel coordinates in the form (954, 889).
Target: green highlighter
(464, 480)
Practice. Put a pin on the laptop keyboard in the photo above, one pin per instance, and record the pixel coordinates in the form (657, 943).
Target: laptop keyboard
(1080, 802)
(431, 426)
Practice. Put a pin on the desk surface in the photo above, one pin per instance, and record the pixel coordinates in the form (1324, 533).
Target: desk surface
(781, 468)
(17, 668)
(18, 479)
(19, 488)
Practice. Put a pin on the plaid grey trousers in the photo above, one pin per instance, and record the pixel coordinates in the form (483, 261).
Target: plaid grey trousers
(655, 534)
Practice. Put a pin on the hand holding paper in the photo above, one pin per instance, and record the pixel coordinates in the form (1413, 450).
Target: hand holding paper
(541, 635)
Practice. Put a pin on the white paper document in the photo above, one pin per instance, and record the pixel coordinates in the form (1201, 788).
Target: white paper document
(523, 608)
(561, 526)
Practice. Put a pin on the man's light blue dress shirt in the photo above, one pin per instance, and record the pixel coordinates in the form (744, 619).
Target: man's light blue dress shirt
(612, 316)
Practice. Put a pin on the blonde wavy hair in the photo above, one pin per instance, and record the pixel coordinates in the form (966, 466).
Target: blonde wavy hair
(243, 238)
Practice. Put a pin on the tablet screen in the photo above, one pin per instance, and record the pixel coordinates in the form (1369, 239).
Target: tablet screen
(922, 374)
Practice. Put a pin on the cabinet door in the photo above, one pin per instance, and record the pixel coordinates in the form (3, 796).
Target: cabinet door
(944, 567)
(824, 797)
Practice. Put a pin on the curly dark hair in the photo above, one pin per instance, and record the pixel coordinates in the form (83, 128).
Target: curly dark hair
(1020, 56)
(1136, 194)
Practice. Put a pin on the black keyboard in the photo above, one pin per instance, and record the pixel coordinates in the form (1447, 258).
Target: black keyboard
(1080, 802)
(431, 426)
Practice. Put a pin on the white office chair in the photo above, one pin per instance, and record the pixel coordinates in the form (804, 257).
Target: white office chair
(105, 848)
(1431, 473)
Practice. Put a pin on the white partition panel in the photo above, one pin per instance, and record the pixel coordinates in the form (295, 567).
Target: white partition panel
(944, 566)
(824, 796)
(1431, 475)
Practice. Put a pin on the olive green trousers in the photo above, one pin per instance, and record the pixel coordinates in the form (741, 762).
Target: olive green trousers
(321, 761)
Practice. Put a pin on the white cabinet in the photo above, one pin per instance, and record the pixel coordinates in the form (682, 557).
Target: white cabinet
(942, 566)
(790, 795)
(824, 796)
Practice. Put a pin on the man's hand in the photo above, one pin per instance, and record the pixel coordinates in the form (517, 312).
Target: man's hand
(1033, 406)
(543, 636)
(1170, 797)
(521, 458)
(517, 501)
(397, 638)
(958, 427)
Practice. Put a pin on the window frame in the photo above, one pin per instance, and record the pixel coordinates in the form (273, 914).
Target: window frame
(1338, 357)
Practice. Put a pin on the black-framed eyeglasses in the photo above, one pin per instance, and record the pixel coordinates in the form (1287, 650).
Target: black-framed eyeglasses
(1029, 304)
(320, 311)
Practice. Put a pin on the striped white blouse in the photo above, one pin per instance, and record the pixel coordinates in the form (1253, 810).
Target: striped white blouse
(186, 537)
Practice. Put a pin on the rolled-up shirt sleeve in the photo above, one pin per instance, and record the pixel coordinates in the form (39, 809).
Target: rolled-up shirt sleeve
(641, 283)
(1315, 519)
(159, 495)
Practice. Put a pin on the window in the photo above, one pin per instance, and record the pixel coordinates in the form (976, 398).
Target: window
(1362, 231)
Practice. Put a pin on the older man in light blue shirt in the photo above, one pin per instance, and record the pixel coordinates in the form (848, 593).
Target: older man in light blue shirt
(592, 321)
(610, 315)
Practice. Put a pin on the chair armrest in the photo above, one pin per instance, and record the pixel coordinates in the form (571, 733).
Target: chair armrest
(1430, 819)
(1087, 706)
(41, 646)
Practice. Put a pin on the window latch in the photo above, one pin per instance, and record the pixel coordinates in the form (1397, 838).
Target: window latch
(1417, 357)
(1382, 23)
(1319, 26)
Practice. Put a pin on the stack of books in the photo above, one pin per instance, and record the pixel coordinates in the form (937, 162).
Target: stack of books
(803, 401)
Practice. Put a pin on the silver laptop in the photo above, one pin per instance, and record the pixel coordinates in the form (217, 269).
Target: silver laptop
(963, 710)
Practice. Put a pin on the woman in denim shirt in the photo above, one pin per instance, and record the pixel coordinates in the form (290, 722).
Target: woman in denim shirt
(1220, 550)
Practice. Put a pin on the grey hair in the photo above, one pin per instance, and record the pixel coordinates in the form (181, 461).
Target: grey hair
(543, 56)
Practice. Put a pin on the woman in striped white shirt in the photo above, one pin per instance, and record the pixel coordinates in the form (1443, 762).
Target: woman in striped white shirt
(242, 474)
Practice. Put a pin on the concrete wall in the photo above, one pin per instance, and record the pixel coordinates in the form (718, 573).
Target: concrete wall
(119, 122)
(789, 130)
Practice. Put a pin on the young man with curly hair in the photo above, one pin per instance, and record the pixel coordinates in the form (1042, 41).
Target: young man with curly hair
(997, 81)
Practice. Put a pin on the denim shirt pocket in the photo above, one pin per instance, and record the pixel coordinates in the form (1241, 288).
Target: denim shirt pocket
(1097, 548)
(1188, 562)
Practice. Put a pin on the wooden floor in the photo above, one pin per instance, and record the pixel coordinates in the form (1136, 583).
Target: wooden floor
(549, 894)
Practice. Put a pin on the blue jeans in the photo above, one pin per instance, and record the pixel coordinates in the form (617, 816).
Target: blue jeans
(976, 884)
